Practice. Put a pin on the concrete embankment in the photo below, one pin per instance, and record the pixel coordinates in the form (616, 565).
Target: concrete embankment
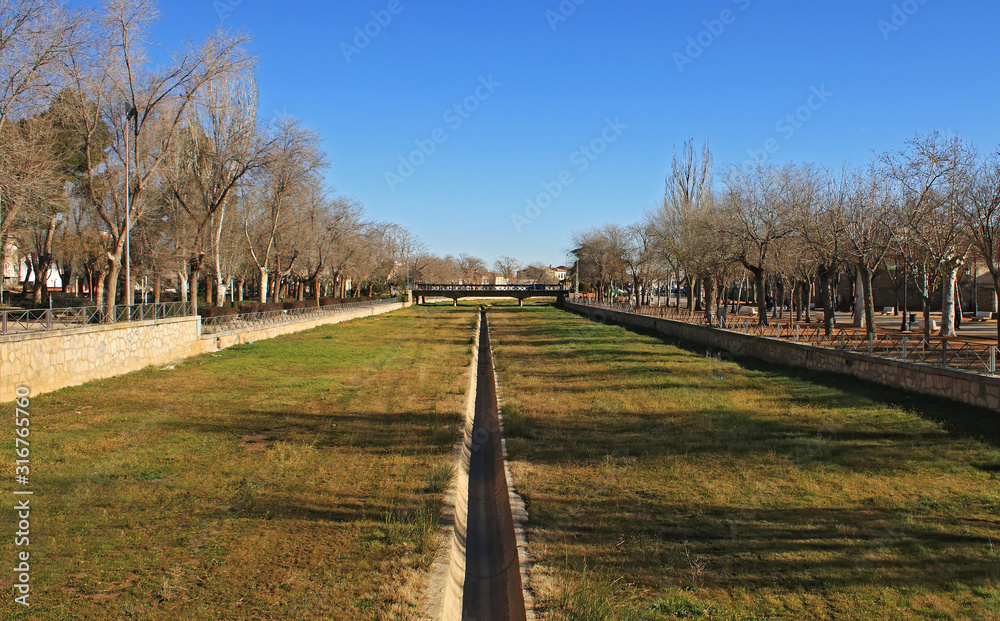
(47, 361)
(955, 384)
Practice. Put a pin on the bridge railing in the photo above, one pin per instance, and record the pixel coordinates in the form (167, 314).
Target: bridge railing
(501, 288)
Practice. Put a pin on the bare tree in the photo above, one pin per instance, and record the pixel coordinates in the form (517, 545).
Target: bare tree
(981, 210)
(143, 108)
(219, 147)
(507, 267)
(867, 216)
(929, 179)
(35, 37)
(293, 167)
(757, 213)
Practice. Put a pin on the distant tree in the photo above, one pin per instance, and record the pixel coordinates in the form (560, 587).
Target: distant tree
(929, 178)
(507, 267)
(981, 211)
(757, 213)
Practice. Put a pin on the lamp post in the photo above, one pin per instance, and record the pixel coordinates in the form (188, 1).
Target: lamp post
(906, 317)
(129, 115)
(975, 285)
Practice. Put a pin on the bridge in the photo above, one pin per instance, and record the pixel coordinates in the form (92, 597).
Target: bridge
(423, 291)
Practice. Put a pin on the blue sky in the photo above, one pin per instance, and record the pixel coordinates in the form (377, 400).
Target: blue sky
(568, 112)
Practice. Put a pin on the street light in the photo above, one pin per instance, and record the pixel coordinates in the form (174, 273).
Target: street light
(906, 317)
(129, 115)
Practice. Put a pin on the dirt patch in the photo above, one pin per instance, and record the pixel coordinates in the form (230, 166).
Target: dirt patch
(263, 441)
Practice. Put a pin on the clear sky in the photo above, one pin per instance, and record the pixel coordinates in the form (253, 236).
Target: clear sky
(576, 106)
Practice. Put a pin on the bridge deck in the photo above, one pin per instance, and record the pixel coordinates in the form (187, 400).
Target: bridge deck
(519, 292)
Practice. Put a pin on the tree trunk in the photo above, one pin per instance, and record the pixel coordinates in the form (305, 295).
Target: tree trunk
(157, 287)
(826, 278)
(263, 285)
(868, 297)
(193, 289)
(925, 297)
(102, 279)
(220, 292)
(758, 280)
(29, 269)
(959, 306)
(948, 301)
(182, 277)
(996, 289)
(111, 289)
(41, 288)
(710, 309)
(809, 298)
(859, 300)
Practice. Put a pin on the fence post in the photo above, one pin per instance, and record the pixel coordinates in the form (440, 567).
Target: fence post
(944, 353)
(48, 318)
(869, 343)
(4, 331)
(904, 347)
(842, 345)
(796, 333)
(992, 359)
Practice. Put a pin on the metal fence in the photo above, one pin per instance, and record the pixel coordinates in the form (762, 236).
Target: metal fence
(236, 323)
(976, 357)
(44, 319)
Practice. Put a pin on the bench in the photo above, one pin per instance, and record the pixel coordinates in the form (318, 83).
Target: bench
(935, 326)
(889, 310)
(983, 316)
(753, 311)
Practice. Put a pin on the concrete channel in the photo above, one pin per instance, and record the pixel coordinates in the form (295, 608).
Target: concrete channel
(485, 573)
(492, 590)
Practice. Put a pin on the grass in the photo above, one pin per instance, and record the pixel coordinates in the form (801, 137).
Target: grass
(295, 478)
(662, 483)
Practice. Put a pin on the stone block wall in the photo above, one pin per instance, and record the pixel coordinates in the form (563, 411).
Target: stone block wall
(47, 361)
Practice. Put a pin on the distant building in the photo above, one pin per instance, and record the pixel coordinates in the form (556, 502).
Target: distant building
(15, 269)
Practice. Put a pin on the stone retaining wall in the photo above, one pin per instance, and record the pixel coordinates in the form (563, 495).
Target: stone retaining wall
(47, 361)
(962, 386)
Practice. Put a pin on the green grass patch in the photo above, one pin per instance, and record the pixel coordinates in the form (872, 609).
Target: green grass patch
(663, 483)
(294, 478)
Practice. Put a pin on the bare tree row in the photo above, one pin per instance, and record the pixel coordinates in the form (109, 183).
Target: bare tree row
(920, 214)
(114, 153)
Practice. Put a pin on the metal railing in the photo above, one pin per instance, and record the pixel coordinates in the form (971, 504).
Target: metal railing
(975, 357)
(235, 323)
(501, 288)
(45, 319)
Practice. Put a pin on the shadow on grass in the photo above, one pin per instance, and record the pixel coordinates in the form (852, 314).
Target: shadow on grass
(810, 506)
(842, 390)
